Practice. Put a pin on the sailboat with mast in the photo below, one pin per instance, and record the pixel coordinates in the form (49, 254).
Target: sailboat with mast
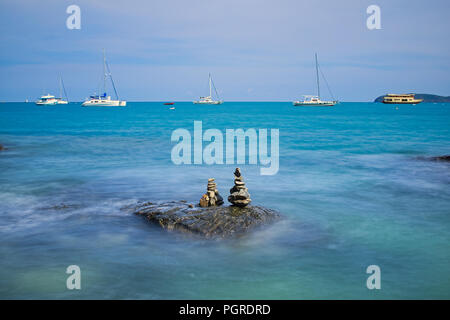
(49, 99)
(315, 101)
(103, 100)
(209, 99)
(62, 89)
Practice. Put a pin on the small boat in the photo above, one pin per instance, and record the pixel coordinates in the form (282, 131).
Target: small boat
(172, 108)
(169, 103)
(315, 101)
(104, 100)
(49, 99)
(62, 89)
(209, 99)
(401, 99)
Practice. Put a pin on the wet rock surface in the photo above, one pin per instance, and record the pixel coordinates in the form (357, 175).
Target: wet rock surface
(62, 206)
(444, 158)
(441, 158)
(209, 222)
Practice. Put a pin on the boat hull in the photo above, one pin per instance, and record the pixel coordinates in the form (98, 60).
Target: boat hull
(416, 101)
(105, 103)
(46, 103)
(322, 104)
(212, 102)
(51, 103)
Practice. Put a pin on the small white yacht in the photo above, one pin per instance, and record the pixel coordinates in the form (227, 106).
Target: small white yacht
(315, 101)
(209, 99)
(62, 89)
(103, 100)
(49, 99)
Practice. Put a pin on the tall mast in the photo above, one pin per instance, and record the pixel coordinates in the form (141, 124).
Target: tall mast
(104, 72)
(210, 84)
(60, 87)
(317, 76)
(64, 89)
(107, 73)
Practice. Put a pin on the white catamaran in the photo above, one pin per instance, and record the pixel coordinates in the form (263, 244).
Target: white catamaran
(104, 100)
(47, 100)
(315, 101)
(208, 99)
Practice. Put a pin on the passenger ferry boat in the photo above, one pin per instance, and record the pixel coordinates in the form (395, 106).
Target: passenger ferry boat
(315, 101)
(209, 99)
(103, 100)
(401, 99)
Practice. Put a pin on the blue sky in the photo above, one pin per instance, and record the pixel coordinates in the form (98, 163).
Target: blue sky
(256, 50)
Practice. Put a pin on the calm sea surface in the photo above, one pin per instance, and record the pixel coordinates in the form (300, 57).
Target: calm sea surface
(352, 189)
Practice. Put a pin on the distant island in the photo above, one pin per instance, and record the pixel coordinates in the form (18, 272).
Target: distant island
(424, 96)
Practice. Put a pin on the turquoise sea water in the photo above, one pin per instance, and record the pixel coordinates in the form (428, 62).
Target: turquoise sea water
(352, 189)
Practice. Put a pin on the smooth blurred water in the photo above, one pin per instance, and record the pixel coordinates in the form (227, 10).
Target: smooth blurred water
(351, 187)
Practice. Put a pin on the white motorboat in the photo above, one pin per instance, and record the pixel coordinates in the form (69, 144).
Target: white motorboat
(49, 99)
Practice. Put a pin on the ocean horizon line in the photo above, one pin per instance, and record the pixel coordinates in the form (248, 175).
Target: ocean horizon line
(190, 101)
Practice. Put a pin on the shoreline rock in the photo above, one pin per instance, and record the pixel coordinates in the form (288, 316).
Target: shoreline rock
(444, 158)
(209, 222)
(441, 158)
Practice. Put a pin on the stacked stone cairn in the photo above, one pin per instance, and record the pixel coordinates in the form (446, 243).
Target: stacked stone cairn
(211, 197)
(239, 195)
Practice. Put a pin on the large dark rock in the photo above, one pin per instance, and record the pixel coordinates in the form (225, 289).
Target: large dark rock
(210, 222)
(440, 158)
(445, 158)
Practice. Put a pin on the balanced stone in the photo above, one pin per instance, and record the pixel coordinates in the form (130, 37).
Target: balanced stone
(239, 195)
(204, 201)
(211, 197)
